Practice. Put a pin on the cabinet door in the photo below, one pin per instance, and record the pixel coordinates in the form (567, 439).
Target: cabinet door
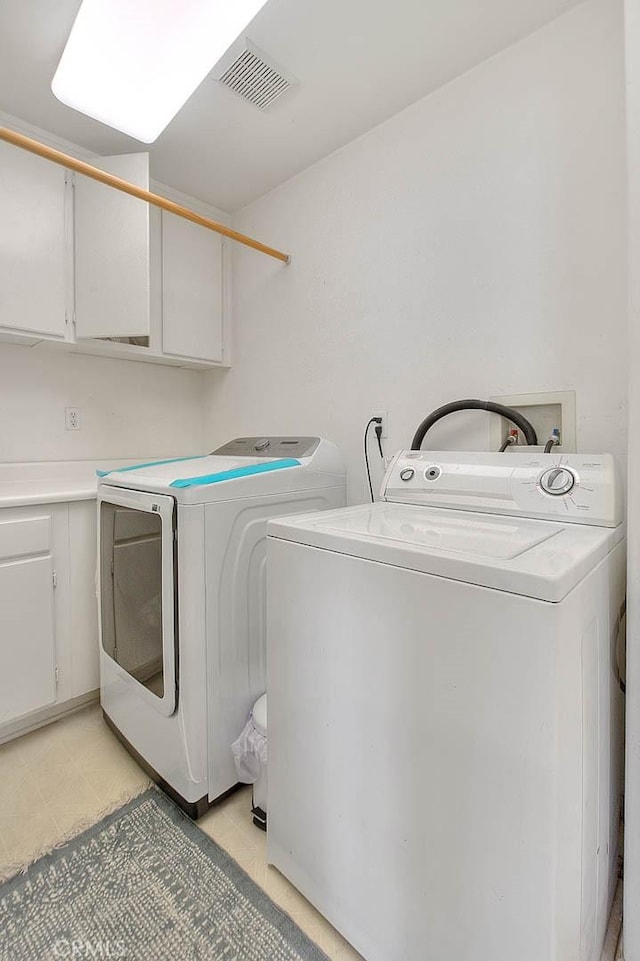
(32, 243)
(192, 290)
(27, 636)
(112, 252)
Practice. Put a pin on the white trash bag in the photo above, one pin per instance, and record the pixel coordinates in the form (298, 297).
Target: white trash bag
(250, 753)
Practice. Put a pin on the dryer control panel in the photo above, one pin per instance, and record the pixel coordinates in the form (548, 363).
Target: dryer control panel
(577, 488)
(268, 447)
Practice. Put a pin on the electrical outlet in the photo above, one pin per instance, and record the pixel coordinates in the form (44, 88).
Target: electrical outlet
(384, 414)
(72, 418)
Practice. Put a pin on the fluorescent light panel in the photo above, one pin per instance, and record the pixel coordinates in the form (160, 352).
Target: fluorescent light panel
(133, 63)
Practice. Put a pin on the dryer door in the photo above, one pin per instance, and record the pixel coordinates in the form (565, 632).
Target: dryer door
(137, 591)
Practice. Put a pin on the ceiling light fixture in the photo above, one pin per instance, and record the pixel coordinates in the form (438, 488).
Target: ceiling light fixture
(132, 64)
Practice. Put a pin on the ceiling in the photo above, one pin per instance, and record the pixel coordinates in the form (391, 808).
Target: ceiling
(357, 62)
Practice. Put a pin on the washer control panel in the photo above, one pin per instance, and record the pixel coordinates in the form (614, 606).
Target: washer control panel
(578, 488)
(273, 447)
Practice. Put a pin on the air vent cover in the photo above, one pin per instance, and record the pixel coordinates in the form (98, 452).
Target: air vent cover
(251, 76)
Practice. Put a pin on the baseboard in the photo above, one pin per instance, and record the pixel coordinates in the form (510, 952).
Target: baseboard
(34, 720)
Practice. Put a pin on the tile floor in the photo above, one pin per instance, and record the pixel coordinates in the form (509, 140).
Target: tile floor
(64, 777)
(58, 780)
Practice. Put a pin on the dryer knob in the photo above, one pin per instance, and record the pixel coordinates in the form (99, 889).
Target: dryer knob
(407, 473)
(262, 444)
(558, 481)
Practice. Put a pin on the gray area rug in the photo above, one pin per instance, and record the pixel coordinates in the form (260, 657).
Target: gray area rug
(144, 883)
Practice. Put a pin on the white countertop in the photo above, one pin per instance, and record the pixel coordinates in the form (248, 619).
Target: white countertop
(48, 482)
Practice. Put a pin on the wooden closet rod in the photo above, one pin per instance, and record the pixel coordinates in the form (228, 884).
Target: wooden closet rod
(87, 170)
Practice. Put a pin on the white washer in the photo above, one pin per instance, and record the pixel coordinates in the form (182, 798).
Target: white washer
(181, 548)
(444, 710)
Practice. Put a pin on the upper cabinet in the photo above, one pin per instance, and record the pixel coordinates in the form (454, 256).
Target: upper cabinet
(192, 290)
(107, 273)
(149, 285)
(112, 272)
(33, 221)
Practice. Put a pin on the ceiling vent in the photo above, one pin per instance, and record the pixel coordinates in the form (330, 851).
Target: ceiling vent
(247, 72)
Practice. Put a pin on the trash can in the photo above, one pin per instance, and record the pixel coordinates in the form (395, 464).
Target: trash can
(250, 756)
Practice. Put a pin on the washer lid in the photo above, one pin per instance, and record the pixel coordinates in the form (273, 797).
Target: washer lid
(463, 533)
(541, 559)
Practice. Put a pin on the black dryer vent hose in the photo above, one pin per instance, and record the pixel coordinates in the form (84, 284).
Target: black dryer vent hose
(507, 412)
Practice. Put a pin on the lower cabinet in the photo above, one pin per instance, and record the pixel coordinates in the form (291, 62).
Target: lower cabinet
(27, 621)
(48, 617)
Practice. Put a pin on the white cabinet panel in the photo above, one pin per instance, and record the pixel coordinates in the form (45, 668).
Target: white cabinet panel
(27, 640)
(112, 252)
(48, 637)
(192, 290)
(83, 604)
(32, 243)
(28, 535)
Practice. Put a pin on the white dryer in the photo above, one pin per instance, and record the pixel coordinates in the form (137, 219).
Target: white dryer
(444, 711)
(181, 563)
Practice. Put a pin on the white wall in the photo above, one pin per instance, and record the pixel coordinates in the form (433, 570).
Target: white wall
(472, 245)
(632, 773)
(128, 410)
